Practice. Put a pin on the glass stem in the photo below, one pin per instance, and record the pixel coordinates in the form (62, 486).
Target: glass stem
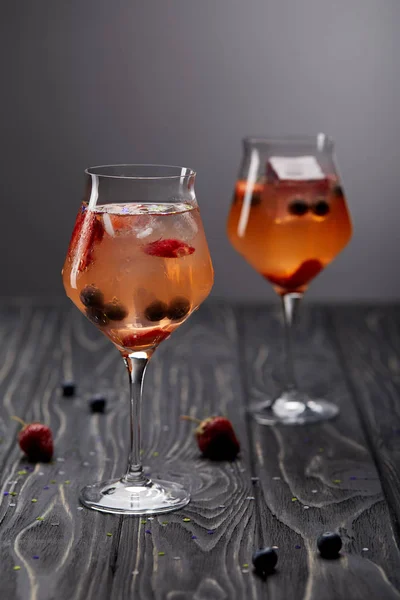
(290, 303)
(136, 363)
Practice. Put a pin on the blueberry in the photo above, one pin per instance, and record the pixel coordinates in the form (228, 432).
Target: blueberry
(298, 207)
(91, 296)
(264, 560)
(329, 544)
(156, 311)
(178, 308)
(98, 404)
(115, 311)
(68, 388)
(338, 190)
(256, 199)
(321, 208)
(97, 316)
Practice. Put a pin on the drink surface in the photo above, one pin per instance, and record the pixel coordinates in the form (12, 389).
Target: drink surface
(137, 271)
(289, 230)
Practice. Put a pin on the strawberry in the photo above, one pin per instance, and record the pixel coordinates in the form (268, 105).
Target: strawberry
(307, 271)
(145, 339)
(77, 228)
(216, 438)
(87, 232)
(168, 248)
(36, 440)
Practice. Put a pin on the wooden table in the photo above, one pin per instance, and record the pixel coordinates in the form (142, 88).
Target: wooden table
(289, 485)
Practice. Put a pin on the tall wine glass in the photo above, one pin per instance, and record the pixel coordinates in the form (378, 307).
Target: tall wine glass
(289, 220)
(137, 266)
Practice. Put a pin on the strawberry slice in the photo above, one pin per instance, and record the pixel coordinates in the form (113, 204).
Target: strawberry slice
(145, 339)
(307, 271)
(88, 232)
(168, 248)
(77, 229)
(93, 233)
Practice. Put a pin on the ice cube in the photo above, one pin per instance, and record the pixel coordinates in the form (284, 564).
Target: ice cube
(186, 226)
(143, 233)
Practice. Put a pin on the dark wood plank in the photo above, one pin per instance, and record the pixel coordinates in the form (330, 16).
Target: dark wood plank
(25, 335)
(196, 372)
(316, 478)
(369, 345)
(75, 554)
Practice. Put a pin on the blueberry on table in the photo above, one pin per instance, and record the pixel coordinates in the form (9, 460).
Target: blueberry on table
(91, 296)
(97, 316)
(298, 207)
(321, 208)
(115, 311)
(156, 311)
(178, 308)
(98, 404)
(329, 544)
(68, 388)
(264, 560)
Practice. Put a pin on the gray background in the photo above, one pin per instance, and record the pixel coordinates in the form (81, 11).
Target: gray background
(181, 82)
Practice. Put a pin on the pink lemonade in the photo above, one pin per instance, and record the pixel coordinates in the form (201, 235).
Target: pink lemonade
(292, 230)
(137, 271)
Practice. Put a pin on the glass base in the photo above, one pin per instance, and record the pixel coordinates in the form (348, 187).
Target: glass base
(124, 497)
(293, 408)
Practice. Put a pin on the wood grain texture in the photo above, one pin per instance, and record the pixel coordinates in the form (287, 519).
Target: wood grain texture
(67, 541)
(368, 340)
(220, 360)
(196, 372)
(325, 467)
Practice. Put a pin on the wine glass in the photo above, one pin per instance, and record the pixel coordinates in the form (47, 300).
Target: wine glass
(137, 266)
(289, 220)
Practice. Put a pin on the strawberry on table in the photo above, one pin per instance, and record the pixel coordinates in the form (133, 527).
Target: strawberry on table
(216, 438)
(36, 440)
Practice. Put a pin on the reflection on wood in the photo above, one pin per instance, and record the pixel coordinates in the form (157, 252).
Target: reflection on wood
(305, 480)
